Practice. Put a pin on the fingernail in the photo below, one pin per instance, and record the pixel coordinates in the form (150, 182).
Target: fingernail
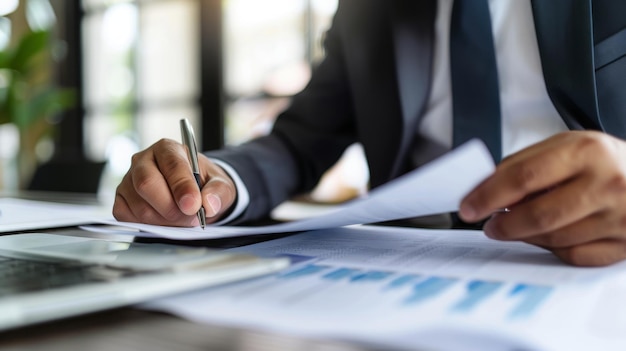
(186, 203)
(215, 204)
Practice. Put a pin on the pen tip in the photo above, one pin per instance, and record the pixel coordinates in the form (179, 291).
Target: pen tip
(202, 217)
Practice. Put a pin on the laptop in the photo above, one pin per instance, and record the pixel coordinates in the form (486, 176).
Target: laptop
(45, 276)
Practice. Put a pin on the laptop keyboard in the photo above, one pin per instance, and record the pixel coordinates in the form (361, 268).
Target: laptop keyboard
(21, 275)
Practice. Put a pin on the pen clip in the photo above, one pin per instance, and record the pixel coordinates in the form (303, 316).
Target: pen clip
(189, 141)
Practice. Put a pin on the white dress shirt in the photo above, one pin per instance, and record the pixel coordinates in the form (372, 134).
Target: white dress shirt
(528, 115)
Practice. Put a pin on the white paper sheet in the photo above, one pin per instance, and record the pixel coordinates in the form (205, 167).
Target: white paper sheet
(435, 188)
(19, 214)
(437, 289)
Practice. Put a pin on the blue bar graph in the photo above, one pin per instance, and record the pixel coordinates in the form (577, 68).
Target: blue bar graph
(525, 299)
(477, 292)
(341, 273)
(429, 288)
(371, 276)
(531, 296)
(402, 281)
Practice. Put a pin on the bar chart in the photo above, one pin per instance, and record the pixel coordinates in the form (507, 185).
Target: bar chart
(522, 300)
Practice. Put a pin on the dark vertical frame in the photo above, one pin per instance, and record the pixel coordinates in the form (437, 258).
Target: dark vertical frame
(211, 70)
(70, 139)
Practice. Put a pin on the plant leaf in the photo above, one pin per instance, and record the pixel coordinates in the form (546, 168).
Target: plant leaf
(29, 46)
(43, 104)
(5, 58)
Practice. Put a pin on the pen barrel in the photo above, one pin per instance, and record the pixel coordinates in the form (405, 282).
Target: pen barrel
(189, 141)
(198, 180)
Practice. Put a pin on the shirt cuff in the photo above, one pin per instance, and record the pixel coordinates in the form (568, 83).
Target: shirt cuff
(243, 197)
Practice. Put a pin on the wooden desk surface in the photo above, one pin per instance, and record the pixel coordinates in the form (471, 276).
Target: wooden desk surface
(131, 329)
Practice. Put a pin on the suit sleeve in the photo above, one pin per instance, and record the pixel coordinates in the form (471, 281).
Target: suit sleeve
(306, 140)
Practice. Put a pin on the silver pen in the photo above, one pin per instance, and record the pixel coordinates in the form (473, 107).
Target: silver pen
(189, 141)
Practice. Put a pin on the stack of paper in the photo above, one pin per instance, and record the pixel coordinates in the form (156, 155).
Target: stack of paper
(435, 188)
(422, 289)
(18, 214)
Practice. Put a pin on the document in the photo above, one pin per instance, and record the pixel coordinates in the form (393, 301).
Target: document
(19, 214)
(416, 288)
(437, 187)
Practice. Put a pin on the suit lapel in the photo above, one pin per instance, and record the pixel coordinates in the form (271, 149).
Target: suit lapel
(391, 70)
(370, 61)
(565, 37)
(413, 35)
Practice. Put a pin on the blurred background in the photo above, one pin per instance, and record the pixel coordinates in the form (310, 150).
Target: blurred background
(115, 76)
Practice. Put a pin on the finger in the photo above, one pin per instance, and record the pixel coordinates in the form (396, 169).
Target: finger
(121, 209)
(150, 197)
(144, 196)
(218, 195)
(143, 212)
(561, 207)
(590, 229)
(135, 209)
(594, 254)
(219, 192)
(537, 148)
(173, 164)
(542, 166)
(150, 186)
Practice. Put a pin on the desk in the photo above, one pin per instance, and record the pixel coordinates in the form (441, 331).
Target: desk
(130, 329)
(133, 329)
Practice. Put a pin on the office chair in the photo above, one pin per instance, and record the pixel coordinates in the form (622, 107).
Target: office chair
(67, 176)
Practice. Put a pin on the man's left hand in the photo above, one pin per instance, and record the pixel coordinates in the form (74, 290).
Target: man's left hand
(566, 194)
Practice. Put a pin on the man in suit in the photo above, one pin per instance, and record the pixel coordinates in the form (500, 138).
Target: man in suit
(386, 83)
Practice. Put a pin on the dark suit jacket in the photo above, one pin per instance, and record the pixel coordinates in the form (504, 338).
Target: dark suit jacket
(374, 83)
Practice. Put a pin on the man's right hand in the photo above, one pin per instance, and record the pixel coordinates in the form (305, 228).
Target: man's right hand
(159, 188)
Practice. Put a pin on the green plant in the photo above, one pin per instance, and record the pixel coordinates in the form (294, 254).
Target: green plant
(21, 101)
(27, 97)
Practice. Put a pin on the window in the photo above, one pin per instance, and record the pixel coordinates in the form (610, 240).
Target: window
(269, 47)
(148, 63)
(141, 75)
